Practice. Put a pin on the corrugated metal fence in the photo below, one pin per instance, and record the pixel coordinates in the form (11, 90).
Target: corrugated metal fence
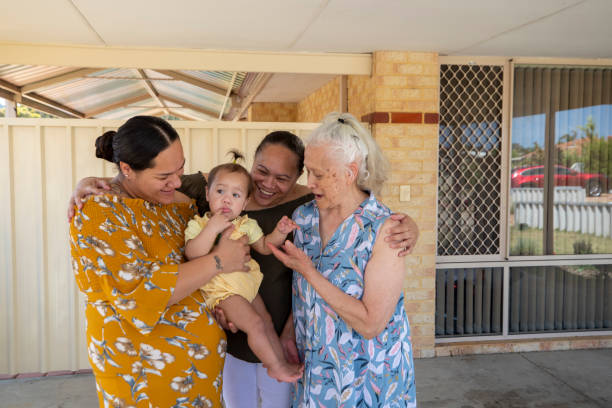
(584, 218)
(562, 194)
(570, 211)
(41, 311)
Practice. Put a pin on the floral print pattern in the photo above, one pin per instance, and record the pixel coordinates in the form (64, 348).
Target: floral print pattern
(342, 368)
(125, 256)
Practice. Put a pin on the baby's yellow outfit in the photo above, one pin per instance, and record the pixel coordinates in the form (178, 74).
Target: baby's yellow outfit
(225, 285)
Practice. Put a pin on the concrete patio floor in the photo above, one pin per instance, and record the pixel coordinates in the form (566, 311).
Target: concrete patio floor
(556, 379)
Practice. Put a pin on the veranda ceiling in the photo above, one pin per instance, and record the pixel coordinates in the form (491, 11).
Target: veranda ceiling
(543, 28)
(121, 93)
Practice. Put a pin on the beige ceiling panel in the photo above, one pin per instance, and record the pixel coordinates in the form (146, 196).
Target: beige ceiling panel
(48, 21)
(237, 24)
(291, 87)
(419, 25)
(570, 28)
(584, 31)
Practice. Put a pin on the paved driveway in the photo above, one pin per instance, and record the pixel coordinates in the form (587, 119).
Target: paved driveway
(556, 379)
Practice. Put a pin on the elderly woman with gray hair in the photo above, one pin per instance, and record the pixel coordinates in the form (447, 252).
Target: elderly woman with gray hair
(351, 328)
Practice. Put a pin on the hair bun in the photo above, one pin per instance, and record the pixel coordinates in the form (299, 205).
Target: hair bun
(104, 146)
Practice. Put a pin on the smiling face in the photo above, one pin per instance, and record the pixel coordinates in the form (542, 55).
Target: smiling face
(228, 194)
(158, 183)
(327, 180)
(274, 174)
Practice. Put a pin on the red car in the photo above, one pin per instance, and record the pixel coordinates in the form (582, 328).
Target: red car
(533, 176)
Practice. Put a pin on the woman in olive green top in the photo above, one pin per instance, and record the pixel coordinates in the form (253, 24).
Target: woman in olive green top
(278, 163)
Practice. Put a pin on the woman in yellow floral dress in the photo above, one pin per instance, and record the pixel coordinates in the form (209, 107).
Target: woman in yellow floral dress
(151, 340)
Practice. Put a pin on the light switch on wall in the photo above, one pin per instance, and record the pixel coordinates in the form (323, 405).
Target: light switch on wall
(404, 193)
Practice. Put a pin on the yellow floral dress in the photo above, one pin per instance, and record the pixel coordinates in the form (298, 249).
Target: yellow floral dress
(125, 255)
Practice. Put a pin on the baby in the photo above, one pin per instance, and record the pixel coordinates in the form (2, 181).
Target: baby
(236, 293)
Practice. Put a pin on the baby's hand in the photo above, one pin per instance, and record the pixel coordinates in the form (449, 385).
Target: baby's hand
(286, 225)
(218, 223)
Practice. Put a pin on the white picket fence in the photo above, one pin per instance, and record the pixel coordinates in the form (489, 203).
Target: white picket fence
(570, 211)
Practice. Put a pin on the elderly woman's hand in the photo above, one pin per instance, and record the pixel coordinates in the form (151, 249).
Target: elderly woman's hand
(403, 235)
(293, 258)
(84, 188)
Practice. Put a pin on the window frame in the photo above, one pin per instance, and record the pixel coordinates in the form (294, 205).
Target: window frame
(503, 233)
(508, 64)
(547, 181)
(503, 259)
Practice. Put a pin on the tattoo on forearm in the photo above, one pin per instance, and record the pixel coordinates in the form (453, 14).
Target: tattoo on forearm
(218, 263)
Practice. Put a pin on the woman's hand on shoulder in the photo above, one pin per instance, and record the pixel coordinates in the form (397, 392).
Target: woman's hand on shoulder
(403, 234)
(181, 198)
(84, 188)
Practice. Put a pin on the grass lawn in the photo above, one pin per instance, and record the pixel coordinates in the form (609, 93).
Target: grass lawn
(530, 241)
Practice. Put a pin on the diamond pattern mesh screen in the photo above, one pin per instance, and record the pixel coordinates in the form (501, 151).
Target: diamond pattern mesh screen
(469, 186)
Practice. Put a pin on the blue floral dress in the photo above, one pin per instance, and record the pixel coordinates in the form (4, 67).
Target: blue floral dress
(342, 368)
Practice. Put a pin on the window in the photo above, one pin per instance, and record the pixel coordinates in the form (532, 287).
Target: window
(560, 298)
(562, 123)
(468, 301)
(547, 267)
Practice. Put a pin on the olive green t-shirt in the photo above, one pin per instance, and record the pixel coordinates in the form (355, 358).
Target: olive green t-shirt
(275, 289)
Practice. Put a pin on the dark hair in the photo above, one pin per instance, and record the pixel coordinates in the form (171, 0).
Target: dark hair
(232, 167)
(137, 142)
(288, 140)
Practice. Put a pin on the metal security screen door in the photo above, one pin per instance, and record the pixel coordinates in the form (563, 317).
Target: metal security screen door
(470, 205)
(470, 160)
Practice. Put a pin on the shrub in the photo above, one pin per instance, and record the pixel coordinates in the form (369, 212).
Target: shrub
(582, 247)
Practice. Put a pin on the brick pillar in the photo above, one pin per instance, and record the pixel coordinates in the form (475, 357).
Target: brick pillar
(400, 101)
(324, 100)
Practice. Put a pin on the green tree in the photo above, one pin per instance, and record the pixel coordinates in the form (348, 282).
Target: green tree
(567, 157)
(596, 155)
(589, 129)
(596, 151)
(527, 156)
(24, 111)
(568, 137)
